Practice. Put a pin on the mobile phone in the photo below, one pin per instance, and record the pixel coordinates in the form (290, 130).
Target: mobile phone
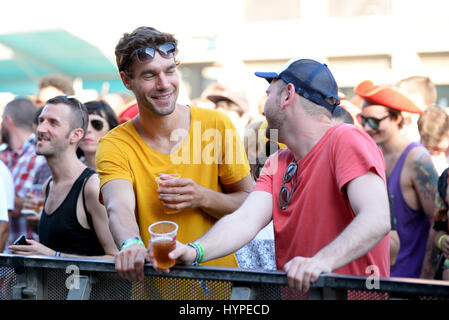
(21, 241)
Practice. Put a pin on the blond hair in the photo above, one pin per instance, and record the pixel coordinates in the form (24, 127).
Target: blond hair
(433, 126)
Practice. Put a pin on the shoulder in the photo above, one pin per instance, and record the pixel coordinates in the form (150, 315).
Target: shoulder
(92, 189)
(121, 131)
(348, 130)
(420, 166)
(419, 158)
(209, 116)
(347, 137)
(119, 138)
(418, 154)
(92, 183)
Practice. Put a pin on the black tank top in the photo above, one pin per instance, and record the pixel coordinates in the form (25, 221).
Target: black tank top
(61, 230)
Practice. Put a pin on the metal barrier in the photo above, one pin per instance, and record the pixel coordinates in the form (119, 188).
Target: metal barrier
(51, 278)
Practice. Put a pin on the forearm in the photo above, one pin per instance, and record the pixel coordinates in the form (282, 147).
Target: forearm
(122, 225)
(233, 231)
(358, 238)
(394, 246)
(119, 202)
(219, 204)
(4, 232)
(18, 205)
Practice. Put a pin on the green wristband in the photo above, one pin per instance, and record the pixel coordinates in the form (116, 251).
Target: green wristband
(441, 239)
(201, 249)
(130, 242)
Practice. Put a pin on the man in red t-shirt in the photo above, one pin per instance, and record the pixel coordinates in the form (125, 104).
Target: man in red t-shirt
(326, 193)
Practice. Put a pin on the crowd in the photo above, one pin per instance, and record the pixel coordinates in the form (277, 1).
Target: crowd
(317, 183)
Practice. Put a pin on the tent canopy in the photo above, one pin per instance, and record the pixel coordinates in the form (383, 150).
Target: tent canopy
(35, 54)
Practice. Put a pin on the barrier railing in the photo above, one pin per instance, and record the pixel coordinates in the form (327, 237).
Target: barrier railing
(51, 278)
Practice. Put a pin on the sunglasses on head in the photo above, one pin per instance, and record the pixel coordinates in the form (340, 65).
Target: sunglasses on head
(166, 50)
(285, 195)
(97, 124)
(373, 122)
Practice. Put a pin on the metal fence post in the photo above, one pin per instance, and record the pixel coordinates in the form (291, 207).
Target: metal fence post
(81, 291)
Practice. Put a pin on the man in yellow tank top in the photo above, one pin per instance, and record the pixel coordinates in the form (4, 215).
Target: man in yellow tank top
(166, 138)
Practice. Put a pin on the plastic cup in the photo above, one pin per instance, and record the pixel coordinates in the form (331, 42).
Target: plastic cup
(163, 241)
(159, 180)
(37, 197)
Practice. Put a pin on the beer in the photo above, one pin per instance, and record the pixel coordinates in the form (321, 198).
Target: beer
(161, 248)
(34, 210)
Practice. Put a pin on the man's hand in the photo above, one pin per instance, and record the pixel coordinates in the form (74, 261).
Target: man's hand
(129, 262)
(301, 272)
(183, 254)
(180, 193)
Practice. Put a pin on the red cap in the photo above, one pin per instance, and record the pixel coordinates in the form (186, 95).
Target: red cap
(386, 96)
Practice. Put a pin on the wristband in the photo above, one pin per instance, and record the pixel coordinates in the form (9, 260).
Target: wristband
(199, 252)
(441, 239)
(57, 254)
(131, 241)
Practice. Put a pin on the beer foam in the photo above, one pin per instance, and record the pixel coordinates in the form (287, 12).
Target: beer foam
(162, 239)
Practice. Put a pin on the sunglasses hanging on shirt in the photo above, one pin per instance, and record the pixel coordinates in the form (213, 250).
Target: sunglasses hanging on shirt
(285, 195)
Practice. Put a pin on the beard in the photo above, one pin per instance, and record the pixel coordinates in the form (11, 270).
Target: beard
(274, 123)
(158, 109)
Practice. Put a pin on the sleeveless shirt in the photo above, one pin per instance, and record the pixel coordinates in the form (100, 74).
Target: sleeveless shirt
(412, 225)
(61, 230)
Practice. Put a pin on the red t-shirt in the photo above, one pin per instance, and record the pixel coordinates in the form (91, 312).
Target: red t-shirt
(319, 209)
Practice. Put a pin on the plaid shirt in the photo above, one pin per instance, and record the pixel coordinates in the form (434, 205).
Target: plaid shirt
(23, 164)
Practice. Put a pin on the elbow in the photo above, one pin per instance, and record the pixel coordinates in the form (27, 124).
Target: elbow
(385, 226)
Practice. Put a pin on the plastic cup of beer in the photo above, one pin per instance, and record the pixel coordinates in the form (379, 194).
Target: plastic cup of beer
(168, 176)
(34, 200)
(163, 241)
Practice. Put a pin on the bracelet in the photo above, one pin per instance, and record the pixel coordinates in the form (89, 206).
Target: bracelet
(131, 241)
(195, 262)
(57, 254)
(440, 240)
(199, 252)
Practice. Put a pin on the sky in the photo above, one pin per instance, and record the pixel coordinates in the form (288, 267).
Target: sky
(102, 22)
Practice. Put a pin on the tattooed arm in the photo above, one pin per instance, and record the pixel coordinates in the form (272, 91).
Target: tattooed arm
(425, 181)
(425, 184)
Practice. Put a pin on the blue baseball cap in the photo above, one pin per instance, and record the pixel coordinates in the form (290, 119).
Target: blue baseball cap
(312, 80)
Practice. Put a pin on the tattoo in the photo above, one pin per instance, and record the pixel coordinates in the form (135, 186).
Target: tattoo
(426, 176)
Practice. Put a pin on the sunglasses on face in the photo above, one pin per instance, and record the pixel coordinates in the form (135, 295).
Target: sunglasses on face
(285, 195)
(373, 122)
(97, 124)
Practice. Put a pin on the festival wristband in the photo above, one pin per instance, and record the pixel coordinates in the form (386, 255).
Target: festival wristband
(131, 241)
(199, 252)
(440, 240)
